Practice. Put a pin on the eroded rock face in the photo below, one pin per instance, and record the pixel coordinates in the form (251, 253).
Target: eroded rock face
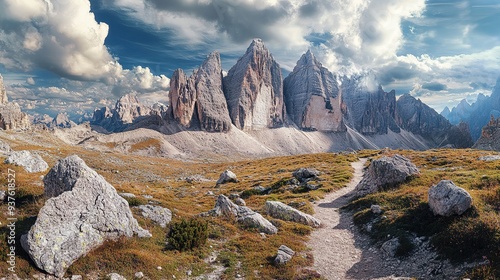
(182, 96)
(243, 215)
(415, 116)
(128, 108)
(199, 99)
(369, 109)
(31, 162)
(254, 90)
(490, 136)
(61, 120)
(447, 199)
(313, 97)
(11, 117)
(282, 211)
(84, 211)
(386, 172)
(3, 93)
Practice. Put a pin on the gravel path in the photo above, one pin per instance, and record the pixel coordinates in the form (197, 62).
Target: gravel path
(333, 245)
(341, 252)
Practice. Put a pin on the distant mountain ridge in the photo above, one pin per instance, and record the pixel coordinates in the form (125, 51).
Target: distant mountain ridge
(478, 114)
(253, 96)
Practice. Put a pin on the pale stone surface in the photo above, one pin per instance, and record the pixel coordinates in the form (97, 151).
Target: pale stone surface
(157, 214)
(227, 177)
(4, 147)
(84, 210)
(447, 199)
(31, 162)
(385, 172)
(199, 100)
(254, 90)
(282, 211)
(284, 255)
(61, 120)
(313, 97)
(115, 276)
(244, 215)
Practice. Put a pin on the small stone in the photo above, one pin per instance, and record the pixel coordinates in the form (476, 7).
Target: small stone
(234, 196)
(284, 255)
(147, 196)
(210, 193)
(240, 202)
(127, 195)
(76, 277)
(189, 272)
(227, 177)
(157, 214)
(159, 268)
(376, 209)
(2, 196)
(305, 174)
(139, 275)
(115, 276)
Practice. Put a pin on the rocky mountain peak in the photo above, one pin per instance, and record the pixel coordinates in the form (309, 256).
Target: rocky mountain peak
(446, 112)
(128, 108)
(312, 96)
(308, 59)
(3, 92)
(199, 99)
(254, 90)
(62, 120)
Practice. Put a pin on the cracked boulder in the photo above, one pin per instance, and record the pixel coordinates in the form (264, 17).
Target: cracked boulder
(83, 211)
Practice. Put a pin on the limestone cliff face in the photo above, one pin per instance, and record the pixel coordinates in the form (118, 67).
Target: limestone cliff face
(313, 97)
(11, 116)
(369, 109)
(490, 136)
(199, 99)
(61, 120)
(3, 93)
(254, 90)
(415, 116)
(128, 108)
(182, 96)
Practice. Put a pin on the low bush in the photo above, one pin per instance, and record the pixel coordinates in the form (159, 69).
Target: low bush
(187, 234)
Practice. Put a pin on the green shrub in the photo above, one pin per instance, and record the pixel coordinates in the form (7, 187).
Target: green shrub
(187, 234)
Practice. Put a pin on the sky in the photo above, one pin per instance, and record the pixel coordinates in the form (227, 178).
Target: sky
(75, 56)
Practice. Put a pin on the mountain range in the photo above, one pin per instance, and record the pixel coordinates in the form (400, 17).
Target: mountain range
(478, 114)
(253, 97)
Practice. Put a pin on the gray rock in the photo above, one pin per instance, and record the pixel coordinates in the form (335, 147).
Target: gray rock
(2, 196)
(11, 116)
(305, 174)
(254, 90)
(490, 158)
(239, 201)
(233, 196)
(376, 209)
(313, 97)
(84, 211)
(284, 255)
(282, 211)
(368, 108)
(4, 147)
(446, 199)
(61, 120)
(227, 177)
(127, 195)
(199, 99)
(139, 275)
(386, 172)
(243, 215)
(157, 214)
(249, 218)
(115, 276)
(76, 277)
(31, 162)
(389, 247)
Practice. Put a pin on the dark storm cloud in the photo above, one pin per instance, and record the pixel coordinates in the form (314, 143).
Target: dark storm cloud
(434, 86)
(241, 21)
